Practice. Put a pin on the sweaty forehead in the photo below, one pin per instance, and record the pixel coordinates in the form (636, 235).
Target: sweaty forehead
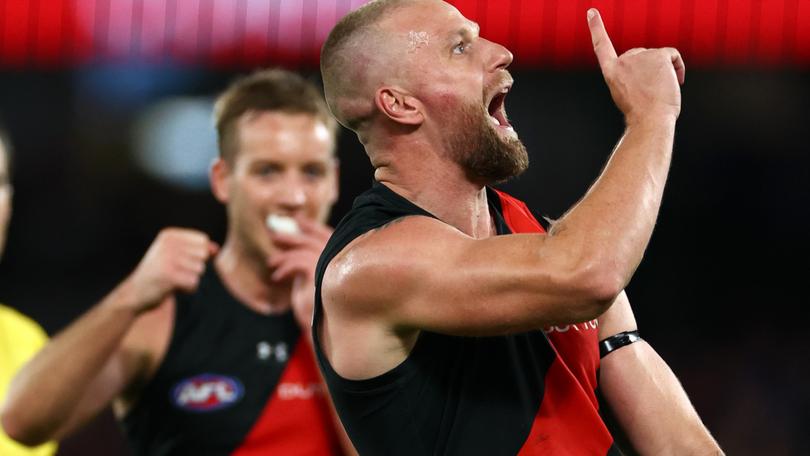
(431, 19)
(294, 134)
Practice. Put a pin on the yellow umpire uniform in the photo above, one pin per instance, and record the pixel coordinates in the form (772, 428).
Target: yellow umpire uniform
(20, 339)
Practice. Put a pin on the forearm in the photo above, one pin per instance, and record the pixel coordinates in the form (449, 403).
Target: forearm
(610, 227)
(651, 405)
(45, 393)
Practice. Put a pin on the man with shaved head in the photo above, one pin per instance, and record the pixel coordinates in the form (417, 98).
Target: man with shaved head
(447, 319)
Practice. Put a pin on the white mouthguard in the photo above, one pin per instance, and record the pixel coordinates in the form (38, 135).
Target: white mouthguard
(282, 224)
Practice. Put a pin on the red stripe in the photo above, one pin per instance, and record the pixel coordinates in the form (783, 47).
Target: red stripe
(15, 32)
(738, 31)
(569, 23)
(539, 33)
(49, 32)
(294, 422)
(634, 25)
(770, 42)
(668, 20)
(498, 25)
(568, 421)
(803, 31)
(530, 31)
(517, 215)
(705, 32)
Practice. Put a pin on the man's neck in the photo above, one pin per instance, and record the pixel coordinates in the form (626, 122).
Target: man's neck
(440, 186)
(247, 277)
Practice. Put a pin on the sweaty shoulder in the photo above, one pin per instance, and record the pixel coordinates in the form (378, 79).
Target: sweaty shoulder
(387, 264)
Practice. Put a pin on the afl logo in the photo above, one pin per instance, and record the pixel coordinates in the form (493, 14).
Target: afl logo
(206, 393)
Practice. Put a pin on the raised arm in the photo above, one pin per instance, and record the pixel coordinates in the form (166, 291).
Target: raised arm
(647, 399)
(102, 355)
(423, 274)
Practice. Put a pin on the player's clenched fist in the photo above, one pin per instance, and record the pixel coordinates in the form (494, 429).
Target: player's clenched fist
(174, 262)
(643, 82)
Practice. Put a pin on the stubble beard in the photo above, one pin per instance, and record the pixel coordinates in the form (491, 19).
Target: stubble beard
(486, 156)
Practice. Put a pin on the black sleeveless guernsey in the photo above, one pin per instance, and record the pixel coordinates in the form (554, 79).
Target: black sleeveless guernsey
(233, 381)
(529, 394)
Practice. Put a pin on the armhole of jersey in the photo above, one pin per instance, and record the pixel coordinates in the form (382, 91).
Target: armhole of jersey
(376, 208)
(186, 308)
(180, 310)
(150, 383)
(388, 378)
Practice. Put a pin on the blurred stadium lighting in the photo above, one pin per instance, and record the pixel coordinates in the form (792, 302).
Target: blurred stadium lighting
(249, 33)
(174, 141)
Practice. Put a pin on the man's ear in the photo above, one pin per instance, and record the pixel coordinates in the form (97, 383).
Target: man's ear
(399, 106)
(219, 174)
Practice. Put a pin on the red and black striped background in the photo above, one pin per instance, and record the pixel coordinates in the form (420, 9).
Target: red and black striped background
(541, 33)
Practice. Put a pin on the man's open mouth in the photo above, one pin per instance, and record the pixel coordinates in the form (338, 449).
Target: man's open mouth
(497, 111)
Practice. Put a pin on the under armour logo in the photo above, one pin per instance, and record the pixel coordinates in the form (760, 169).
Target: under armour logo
(264, 351)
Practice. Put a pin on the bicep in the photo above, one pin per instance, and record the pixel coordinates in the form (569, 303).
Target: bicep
(424, 274)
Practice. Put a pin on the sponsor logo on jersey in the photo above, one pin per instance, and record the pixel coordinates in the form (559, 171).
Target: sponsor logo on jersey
(207, 392)
(265, 351)
(295, 390)
(587, 326)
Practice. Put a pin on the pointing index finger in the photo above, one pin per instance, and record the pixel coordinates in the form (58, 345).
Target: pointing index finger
(602, 46)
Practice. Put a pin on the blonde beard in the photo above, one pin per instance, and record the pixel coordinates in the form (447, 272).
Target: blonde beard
(485, 155)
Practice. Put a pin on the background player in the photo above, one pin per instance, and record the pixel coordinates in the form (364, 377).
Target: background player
(203, 357)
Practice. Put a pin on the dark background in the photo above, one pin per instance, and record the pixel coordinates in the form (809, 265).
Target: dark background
(720, 293)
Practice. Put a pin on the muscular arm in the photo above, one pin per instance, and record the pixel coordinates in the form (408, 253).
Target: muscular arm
(103, 354)
(647, 399)
(420, 273)
(423, 274)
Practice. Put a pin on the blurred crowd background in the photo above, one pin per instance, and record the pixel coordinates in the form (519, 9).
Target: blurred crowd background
(108, 106)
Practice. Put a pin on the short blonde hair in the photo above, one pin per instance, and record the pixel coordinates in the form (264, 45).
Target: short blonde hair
(266, 90)
(337, 57)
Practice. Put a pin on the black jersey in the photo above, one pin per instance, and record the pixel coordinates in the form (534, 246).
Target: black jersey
(233, 381)
(453, 395)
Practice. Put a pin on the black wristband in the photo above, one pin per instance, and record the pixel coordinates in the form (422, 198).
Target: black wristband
(617, 341)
